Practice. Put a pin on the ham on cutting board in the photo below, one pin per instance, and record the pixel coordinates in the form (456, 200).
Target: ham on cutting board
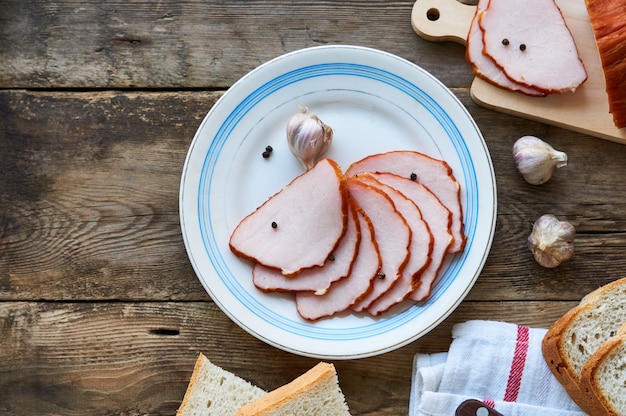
(586, 110)
(485, 67)
(608, 19)
(530, 42)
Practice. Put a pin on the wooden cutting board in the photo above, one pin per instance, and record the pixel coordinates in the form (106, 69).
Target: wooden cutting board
(586, 110)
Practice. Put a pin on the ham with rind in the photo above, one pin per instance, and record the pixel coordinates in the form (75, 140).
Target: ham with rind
(608, 19)
(420, 248)
(346, 292)
(530, 41)
(433, 173)
(315, 279)
(298, 227)
(391, 232)
(438, 218)
(483, 66)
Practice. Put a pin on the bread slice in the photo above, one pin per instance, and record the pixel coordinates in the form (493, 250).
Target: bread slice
(316, 392)
(216, 392)
(604, 376)
(576, 336)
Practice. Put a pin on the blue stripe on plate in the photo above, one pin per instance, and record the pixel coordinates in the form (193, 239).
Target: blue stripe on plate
(369, 328)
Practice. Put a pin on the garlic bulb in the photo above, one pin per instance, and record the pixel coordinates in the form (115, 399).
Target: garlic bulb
(551, 241)
(537, 160)
(308, 137)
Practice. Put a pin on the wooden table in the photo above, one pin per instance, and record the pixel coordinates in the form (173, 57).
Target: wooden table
(101, 312)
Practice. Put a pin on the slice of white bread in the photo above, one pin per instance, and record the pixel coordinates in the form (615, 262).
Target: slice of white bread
(315, 392)
(575, 337)
(213, 391)
(604, 375)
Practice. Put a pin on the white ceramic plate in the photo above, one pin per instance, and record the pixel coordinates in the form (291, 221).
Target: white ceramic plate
(375, 102)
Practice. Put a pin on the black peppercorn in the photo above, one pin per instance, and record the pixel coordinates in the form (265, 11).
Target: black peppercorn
(274, 225)
(505, 42)
(522, 47)
(413, 176)
(267, 152)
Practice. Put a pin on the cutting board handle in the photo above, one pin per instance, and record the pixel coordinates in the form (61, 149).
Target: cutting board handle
(442, 20)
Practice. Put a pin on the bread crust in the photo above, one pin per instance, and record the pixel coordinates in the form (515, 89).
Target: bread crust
(192, 381)
(588, 378)
(556, 358)
(553, 350)
(593, 296)
(320, 374)
(212, 384)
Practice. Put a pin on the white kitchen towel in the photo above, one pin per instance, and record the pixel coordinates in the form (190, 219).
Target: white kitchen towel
(497, 362)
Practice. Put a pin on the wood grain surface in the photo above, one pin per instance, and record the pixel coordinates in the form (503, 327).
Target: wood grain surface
(100, 310)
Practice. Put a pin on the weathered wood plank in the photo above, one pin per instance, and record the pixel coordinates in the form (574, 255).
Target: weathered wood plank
(89, 200)
(587, 192)
(100, 310)
(89, 194)
(195, 44)
(136, 358)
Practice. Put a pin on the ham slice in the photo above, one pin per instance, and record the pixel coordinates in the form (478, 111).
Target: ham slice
(531, 42)
(316, 279)
(420, 248)
(433, 173)
(298, 227)
(346, 292)
(392, 235)
(608, 19)
(438, 218)
(483, 66)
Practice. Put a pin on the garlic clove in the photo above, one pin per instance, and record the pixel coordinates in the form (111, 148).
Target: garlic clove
(308, 137)
(551, 241)
(537, 160)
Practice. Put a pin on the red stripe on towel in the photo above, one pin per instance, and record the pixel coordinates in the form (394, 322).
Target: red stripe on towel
(517, 366)
(490, 403)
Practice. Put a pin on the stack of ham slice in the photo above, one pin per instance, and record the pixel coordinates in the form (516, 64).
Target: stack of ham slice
(363, 241)
(524, 46)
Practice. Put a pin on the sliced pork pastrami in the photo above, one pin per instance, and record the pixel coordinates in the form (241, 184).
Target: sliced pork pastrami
(420, 248)
(438, 218)
(483, 66)
(531, 42)
(344, 293)
(434, 174)
(315, 279)
(391, 232)
(298, 227)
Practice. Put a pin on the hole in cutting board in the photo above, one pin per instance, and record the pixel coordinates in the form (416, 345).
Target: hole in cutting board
(432, 14)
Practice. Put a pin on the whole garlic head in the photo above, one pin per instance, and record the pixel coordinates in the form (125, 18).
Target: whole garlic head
(551, 241)
(308, 137)
(537, 160)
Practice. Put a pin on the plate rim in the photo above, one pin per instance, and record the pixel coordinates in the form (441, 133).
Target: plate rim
(451, 307)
